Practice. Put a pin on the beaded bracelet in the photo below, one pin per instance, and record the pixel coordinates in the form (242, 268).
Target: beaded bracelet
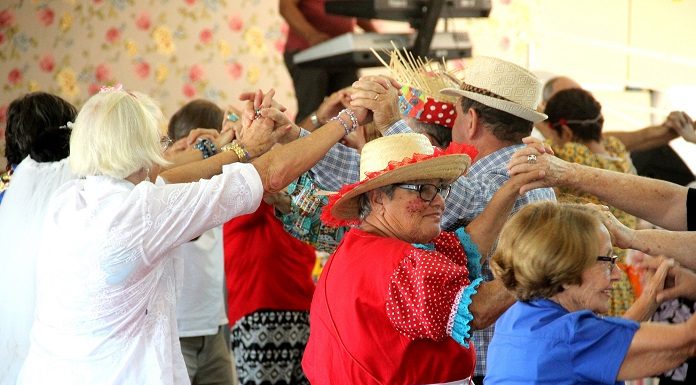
(206, 147)
(353, 120)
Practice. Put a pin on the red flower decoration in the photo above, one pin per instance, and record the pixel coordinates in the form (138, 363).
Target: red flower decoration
(113, 35)
(14, 77)
(2, 37)
(189, 90)
(235, 23)
(102, 73)
(235, 70)
(47, 63)
(7, 18)
(46, 16)
(280, 45)
(143, 21)
(206, 36)
(142, 69)
(453, 148)
(196, 73)
(93, 88)
(190, 2)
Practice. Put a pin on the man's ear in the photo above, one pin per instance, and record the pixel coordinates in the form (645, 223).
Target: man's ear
(474, 129)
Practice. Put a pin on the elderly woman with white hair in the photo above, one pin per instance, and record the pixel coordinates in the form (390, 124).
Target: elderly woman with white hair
(105, 300)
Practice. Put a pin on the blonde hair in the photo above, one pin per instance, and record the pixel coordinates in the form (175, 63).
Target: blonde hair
(544, 246)
(116, 133)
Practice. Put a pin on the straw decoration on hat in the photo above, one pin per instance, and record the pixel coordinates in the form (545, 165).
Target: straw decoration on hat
(396, 159)
(422, 80)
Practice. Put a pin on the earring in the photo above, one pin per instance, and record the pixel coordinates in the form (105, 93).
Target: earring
(147, 174)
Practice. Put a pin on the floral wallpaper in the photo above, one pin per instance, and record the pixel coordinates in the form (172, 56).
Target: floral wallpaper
(173, 50)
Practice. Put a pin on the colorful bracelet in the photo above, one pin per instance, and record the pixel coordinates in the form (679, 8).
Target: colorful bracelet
(206, 147)
(353, 120)
(241, 152)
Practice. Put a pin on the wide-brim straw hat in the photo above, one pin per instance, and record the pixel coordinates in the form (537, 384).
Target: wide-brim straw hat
(396, 159)
(502, 85)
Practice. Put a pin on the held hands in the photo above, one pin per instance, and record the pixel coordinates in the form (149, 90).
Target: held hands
(621, 236)
(682, 124)
(679, 283)
(259, 130)
(537, 157)
(380, 96)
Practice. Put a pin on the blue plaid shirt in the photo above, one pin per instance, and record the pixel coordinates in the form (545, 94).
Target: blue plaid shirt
(469, 196)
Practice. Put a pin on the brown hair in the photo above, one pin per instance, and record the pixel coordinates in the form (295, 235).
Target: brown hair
(544, 246)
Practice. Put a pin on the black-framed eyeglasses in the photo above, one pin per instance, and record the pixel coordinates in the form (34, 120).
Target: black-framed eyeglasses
(608, 258)
(427, 191)
(165, 142)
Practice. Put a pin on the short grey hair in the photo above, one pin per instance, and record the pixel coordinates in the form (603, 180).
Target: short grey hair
(365, 208)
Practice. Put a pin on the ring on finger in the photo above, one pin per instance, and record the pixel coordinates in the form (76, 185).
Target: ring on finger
(232, 117)
(531, 159)
(376, 96)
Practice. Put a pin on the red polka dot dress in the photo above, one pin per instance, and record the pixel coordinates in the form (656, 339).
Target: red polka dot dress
(384, 313)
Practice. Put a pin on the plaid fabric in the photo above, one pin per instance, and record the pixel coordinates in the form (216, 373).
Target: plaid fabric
(468, 198)
(340, 166)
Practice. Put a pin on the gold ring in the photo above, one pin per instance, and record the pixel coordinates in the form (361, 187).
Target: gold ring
(376, 96)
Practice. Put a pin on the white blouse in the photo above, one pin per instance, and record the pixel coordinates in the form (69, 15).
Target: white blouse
(106, 285)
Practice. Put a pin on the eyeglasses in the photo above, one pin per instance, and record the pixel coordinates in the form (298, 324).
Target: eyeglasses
(608, 258)
(426, 191)
(165, 142)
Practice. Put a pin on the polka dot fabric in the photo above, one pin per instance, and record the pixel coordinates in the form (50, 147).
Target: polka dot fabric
(424, 287)
(437, 112)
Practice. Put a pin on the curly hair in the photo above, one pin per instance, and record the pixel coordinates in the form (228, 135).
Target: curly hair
(504, 126)
(545, 246)
(579, 110)
(31, 115)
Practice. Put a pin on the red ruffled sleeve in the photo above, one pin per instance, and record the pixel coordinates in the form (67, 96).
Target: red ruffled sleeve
(424, 287)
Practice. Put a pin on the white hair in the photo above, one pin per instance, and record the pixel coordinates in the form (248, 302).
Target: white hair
(116, 133)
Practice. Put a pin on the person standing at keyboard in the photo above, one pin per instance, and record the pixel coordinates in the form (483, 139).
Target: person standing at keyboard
(310, 25)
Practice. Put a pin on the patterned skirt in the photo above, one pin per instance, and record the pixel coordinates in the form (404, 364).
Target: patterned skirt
(268, 347)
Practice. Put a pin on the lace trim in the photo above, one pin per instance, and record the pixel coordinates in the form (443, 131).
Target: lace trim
(473, 257)
(460, 316)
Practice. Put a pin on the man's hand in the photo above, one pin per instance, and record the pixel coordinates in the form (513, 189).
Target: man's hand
(380, 96)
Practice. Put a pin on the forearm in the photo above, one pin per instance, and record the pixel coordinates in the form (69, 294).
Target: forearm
(490, 301)
(659, 202)
(656, 348)
(183, 157)
(485, 228)
(295, 19)
(285, 163)
(673, 244)
(201, 169)
(644, 139)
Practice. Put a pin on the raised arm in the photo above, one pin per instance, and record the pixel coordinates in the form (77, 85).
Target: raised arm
(659, 202)
(656, 348)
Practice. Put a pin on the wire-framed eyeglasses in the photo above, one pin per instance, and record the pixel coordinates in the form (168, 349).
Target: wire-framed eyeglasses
(427, 191)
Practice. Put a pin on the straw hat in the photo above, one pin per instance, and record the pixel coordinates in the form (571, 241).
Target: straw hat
(502, 85)
(395, 159)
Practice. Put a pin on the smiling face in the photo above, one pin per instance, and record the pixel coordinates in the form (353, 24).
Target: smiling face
(410, 218)
(594, 291)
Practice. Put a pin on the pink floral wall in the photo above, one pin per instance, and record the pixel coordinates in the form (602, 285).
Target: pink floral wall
(173, 50)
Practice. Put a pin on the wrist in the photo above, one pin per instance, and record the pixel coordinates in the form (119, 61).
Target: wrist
(384, 126)
(242, 154)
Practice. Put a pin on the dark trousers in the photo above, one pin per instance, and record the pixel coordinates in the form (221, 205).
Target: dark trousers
(313, 84)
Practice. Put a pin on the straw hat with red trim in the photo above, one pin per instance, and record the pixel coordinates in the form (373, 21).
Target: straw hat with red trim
(396, 159)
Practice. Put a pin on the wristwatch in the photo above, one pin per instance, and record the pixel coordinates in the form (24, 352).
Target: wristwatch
(315, 120)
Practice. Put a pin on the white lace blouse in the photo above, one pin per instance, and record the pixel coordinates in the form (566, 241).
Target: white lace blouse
(106, 286)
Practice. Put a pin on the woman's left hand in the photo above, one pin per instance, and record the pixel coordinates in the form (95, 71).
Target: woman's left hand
(654, 282)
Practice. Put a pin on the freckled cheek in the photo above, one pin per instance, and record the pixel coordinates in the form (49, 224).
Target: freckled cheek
(416, 205)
